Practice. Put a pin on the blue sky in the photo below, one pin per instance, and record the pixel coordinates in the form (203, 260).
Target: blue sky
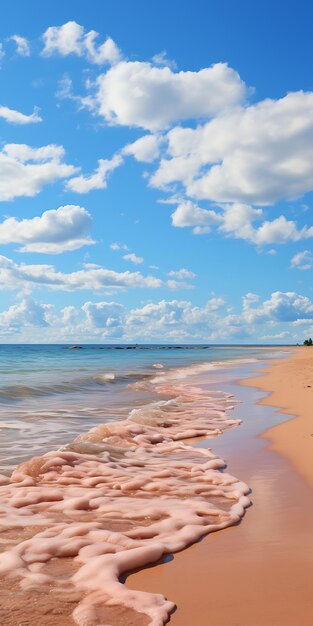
(156, 172)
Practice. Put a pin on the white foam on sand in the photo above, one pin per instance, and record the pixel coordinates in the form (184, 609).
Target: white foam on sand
(122, 496)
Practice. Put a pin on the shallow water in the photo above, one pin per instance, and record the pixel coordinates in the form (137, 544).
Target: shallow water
(50, 394)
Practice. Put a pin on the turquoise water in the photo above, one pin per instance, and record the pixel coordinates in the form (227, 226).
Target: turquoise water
(51, 393)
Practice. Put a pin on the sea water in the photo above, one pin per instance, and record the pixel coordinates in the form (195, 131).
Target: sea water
(50, 393)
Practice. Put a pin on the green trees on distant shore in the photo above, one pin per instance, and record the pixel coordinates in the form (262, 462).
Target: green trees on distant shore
(308, 342)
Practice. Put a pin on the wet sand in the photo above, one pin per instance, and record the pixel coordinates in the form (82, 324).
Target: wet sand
(290, 383)
(260, 571)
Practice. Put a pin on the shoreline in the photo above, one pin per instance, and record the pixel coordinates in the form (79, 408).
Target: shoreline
(288, 384)
(263, 566)
(242, 562)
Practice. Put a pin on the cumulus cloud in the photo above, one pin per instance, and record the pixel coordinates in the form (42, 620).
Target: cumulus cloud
(133, 258)
(274, 319)
(55, 231)
(22, 45)
(280, 307)
(190, 214)
(145, 149)
(98, 180)
(280, 230)
(179, 320)
(21, 276)
(24, 170)
(237, 220)
(139, 94)
(302, 260)
(27, 312)
(238, 158)
(71, 38)
(107, 316)
(258, 154)
(15, 117)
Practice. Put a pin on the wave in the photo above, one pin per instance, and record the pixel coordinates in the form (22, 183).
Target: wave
(23, 391)
(105, 378)
(121, 496)
(18, 392)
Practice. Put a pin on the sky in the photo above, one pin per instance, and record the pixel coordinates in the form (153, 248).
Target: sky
(156, 171)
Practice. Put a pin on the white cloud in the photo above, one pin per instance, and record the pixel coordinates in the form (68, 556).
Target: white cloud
(22, 45)
(280, 307)
(190, 214)
(24, 170)
(237, 220)
(55, 231)
(179, 284)
(108, 316)
(161, 58)
(119, 246)
(71, 38)
(145, 149)
(16, 277)
(98, 180)
(182, 273)
(168, 320)
(2, 53)
(302, 260)
(133, 258)
(139, 94)
(178, 320)
(15, 117)
(24, 313)
(280, 231)
(259, 154)
(279, 336)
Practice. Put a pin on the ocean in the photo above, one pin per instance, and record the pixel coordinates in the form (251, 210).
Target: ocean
(51, 393)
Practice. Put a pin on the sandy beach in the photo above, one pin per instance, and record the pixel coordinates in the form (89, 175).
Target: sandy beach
(260, 571)
(257, 570)
(290, 387)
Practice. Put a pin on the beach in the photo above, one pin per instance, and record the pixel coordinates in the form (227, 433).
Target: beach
(260, 571)
(167, 493)
(290, 387)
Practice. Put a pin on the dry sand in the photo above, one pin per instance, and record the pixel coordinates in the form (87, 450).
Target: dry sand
(258, 573)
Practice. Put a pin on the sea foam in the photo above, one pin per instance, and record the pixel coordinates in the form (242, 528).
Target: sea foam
(120, 497)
